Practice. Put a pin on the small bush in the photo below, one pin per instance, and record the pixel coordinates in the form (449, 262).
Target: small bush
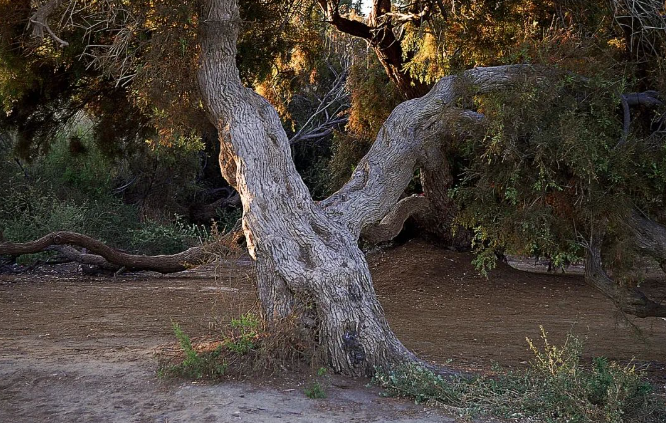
(195, 365)
(166, 238)
(556, 388)
(315, 391)
(244, 333)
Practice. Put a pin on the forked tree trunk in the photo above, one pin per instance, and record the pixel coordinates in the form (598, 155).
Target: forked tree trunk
(307, 251)
(299, 250)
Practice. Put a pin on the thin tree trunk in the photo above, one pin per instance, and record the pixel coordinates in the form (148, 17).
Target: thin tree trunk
(629, 299)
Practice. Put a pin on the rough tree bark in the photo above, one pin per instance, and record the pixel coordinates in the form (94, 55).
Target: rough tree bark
(307, 251)
(435, 216)
(298, 249)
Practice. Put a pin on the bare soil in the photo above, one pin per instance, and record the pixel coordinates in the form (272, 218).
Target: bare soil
(79, 348)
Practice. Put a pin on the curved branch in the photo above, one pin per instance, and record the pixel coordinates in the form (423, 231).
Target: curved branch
(39, 21)
(71, 254)
(409, 137)
(647, 99)
(348, 26)
(103, 253)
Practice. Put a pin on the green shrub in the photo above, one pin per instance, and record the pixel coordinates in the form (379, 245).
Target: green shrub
(160, 238)
(556, 388)
(71, 189)
(195, 365)
(314, 391)
(244, 333)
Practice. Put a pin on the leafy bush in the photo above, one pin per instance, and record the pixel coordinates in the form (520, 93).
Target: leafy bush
(551, 167)
(556, 388)
(167, 238)
(315, 391)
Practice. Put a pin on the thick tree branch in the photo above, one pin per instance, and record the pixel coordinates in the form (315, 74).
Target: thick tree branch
(378, 32)
(331, 9)
(82, 257)
(160, 263)
(406, 141)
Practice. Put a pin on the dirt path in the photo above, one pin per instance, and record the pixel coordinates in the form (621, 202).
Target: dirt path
(81, 348)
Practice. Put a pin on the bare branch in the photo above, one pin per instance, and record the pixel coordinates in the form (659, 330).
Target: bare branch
(645, 23)
(314, 127)
(39, 21)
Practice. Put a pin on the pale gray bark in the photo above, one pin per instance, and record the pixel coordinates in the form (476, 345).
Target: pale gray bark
(299, 250)
(309, 250)
(410, 138)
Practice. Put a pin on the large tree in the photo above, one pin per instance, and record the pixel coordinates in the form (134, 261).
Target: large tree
(306, 252)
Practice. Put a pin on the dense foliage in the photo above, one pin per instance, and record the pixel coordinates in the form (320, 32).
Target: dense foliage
(546, 166)
(73, 188)
(551, 165)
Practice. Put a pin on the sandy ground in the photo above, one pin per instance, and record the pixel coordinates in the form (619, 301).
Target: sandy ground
(81, 348)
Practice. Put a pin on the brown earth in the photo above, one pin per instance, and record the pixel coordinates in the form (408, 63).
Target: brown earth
(81, 348)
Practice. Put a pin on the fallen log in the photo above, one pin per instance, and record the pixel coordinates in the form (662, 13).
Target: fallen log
(101, 255)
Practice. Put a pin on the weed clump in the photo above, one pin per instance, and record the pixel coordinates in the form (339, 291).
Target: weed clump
(246, 349)
(195, 364)
(556, 388)
(315, 390)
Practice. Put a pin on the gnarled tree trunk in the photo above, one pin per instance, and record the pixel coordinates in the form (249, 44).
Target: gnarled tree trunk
(299, 250)
(306, 250)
